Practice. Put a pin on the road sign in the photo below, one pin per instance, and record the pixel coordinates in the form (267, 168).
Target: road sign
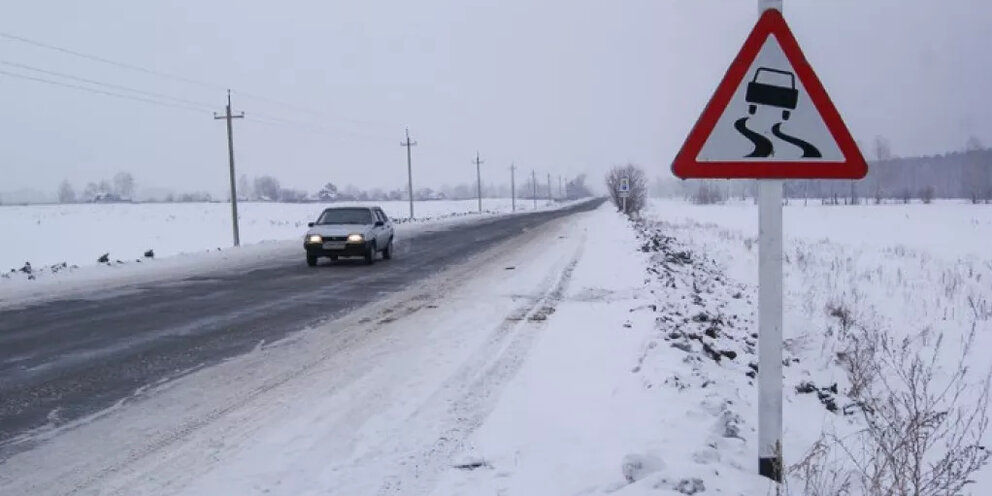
(770, 118)
(624, 184)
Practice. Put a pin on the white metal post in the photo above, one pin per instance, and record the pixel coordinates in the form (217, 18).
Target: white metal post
(770, 329)
(770, 457)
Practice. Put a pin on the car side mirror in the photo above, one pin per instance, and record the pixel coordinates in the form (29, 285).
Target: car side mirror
(310, 224)
(379, 223)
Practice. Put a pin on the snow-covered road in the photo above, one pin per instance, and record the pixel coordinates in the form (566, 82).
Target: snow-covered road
(591, 356)
(375, 403)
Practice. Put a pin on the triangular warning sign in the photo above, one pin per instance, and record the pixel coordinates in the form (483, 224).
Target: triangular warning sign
(770, 118)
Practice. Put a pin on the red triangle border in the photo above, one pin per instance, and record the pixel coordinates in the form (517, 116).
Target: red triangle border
(686, 166)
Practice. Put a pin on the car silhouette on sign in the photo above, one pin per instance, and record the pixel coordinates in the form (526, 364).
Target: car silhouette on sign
(773, 95)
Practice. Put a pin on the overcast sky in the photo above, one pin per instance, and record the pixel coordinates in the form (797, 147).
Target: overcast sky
(565, 87)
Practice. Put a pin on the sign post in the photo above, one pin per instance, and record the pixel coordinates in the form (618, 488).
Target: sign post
(770, 91)
(770, 453)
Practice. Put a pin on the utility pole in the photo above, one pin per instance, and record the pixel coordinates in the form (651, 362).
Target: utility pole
(409, 168)
(478, 177)
(770, 317)
(513, 187)
(560, 192)
(533, 180)
(549, 188)
(230, 153)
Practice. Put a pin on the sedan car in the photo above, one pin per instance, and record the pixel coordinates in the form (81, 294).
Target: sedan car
(349, 232)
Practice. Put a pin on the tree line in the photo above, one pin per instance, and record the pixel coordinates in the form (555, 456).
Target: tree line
(120, 188)
(268, 188)
(965, 174)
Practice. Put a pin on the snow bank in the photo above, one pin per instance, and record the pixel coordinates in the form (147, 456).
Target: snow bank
(185, 239)
(639, 384)
(44, 235)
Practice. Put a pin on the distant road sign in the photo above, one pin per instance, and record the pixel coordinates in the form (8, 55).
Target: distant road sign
(770, 91)
(624, 184)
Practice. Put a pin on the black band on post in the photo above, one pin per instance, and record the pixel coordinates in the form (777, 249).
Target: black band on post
(771, 468)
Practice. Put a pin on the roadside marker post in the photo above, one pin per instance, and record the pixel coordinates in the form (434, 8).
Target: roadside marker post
(770, 88)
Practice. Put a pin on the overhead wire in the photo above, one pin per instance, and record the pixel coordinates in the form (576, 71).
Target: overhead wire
(103, 60)
(103, 92)
(108, 85)
(155, 98)
(174, 77)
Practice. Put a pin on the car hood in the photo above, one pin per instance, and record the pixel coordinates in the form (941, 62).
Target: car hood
(339, 230)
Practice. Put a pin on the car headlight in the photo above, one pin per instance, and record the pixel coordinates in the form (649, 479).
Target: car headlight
(314, 238)
(356, 238)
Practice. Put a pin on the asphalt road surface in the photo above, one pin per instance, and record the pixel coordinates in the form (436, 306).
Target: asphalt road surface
(62, 360)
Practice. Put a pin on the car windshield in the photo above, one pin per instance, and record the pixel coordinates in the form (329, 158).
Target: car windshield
(346, 216)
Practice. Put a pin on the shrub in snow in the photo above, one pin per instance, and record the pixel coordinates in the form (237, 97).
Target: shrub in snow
(105, 258)
(689, 486)
(635, 467)
(472, 464)
(924, 419)
(637, 196)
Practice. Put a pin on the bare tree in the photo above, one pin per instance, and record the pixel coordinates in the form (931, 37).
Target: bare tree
(882, 149)
(328, 193)
(267, 188)
(292, 195)
(91, 191)
(66, 193)
(637, 196)
(244, 188)
(124, 185)
(576, 188)
(707, 193)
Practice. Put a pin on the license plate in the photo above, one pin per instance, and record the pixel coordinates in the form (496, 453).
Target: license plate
(333, 246)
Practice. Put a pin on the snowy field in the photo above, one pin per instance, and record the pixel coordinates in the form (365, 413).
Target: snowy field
(598, 356)
(45, 235)
(868, 285)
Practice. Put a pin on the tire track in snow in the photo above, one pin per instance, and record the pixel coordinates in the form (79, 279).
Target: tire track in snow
(472, 392)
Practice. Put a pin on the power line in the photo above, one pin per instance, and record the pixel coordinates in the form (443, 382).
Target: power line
(101, 83)
(229, 116)
(115, 63)
(268, 120)
(102, 92)
(478, 175)
(166, 75)
(409, 166)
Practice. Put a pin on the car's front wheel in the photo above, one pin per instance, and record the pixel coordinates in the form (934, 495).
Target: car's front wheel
(370, 254)
(387, 254)
(311, 260)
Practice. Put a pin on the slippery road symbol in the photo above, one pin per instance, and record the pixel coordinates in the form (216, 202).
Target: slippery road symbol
(773, 95)
(786, 97)
(762, 145)
(809, 151)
